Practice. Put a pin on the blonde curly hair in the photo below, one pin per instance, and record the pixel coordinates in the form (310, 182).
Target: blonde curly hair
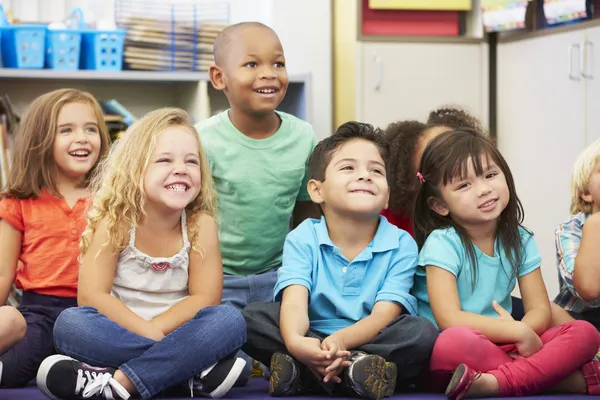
(118, 184)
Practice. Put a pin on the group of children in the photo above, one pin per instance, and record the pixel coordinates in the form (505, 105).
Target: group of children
(164, 263)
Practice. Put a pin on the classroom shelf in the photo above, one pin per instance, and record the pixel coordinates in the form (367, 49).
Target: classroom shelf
(142, 91)
(133, 76)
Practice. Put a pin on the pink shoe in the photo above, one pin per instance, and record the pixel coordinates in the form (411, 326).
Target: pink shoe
(591, 372)
(461, 381)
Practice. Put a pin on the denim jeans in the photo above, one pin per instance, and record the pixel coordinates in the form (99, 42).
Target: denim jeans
(213, 334)
(239, 291)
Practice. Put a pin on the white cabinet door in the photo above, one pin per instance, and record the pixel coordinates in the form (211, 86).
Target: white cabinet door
(591, 74)
(407, 80)
(541, 130)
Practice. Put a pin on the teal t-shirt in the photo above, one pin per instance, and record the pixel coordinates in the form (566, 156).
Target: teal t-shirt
(258, 182)
(444, 249)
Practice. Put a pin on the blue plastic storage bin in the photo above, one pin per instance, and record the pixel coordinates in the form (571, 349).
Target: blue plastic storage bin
(102, 50)
(63, 48)
(23, 45)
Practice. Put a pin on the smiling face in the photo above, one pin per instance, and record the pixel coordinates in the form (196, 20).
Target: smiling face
(252, 72)
(172, 179)
(355, 181)
(77, 141)
(472, 199)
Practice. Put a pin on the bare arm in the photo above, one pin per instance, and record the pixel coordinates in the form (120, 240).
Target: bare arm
(586, 275)
(96, 275)
(365, 330)
(535, 300)
(10, 249)
(205, 280)
(304, 210)
(445, 305)
(293, 317)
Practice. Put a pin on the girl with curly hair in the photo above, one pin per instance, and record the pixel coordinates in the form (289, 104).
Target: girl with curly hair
(151, 277)
(407, 140)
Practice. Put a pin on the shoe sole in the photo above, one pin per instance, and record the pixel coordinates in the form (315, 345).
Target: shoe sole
(230, 379)
(457, 376)
(43, 373)
(382, 380)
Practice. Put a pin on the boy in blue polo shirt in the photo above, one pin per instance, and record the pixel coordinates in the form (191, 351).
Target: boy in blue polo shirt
(346, 319)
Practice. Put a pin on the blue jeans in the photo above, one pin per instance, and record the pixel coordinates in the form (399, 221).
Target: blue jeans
(213, 334)
(239, 291)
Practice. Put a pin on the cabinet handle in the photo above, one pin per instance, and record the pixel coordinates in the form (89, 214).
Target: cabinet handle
(571, 48)
(377, 72)
(587, 54)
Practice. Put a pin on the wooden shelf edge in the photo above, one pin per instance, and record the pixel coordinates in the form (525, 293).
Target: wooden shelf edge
(157, 77)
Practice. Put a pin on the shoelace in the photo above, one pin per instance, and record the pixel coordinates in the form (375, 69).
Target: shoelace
(93, 384)
(197, 382)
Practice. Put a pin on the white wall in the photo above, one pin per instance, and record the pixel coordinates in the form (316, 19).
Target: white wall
(307, 50)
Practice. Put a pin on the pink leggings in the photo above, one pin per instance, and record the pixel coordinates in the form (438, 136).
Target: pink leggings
(566, 348)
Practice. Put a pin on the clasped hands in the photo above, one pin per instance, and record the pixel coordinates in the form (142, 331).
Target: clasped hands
(328, 358)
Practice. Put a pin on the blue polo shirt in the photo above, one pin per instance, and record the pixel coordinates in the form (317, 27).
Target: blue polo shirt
(341, 292)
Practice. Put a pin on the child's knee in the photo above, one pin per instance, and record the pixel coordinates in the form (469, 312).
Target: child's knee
(13, 319)
(68, 320)
(428, 335)
(231, 319)
(586, 333)
(451, 345)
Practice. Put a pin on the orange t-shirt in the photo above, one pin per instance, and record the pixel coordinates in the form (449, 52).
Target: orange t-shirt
(50, 246)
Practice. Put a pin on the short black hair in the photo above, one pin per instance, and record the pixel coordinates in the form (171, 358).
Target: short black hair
(227, 36)
(321, 155)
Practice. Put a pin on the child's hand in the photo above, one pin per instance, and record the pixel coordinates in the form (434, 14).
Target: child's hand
(336, 351)
(153, 332)
(308, 351)
(529, 343)
(335, 347)
(502, 313)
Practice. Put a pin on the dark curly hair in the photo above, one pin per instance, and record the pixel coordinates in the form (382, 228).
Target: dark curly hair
(402, 138)
(455, 118)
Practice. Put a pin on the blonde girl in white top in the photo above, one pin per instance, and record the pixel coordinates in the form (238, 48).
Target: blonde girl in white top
(151, 277)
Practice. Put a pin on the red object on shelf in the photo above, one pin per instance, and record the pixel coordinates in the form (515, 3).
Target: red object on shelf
(409, 22)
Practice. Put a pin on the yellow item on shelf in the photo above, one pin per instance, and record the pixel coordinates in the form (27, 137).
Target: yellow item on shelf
(447, 5)
(494, 3)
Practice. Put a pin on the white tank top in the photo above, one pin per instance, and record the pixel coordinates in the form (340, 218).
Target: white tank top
(148, 285)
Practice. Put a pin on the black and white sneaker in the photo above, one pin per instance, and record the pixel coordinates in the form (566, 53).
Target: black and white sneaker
(217, 380)
(64, 378)
(370, 376)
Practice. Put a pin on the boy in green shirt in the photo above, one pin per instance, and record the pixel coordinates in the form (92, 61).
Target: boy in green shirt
(258, 159)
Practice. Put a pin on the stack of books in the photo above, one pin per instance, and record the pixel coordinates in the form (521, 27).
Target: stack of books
(155, 44)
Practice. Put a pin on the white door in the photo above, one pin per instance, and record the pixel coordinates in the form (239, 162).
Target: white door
(591, 74)
(541, 130)
(408, 80)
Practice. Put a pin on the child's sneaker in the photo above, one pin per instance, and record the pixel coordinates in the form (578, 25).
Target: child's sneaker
(285, 376)
(64, 378)
(370, 376)
(217, 380)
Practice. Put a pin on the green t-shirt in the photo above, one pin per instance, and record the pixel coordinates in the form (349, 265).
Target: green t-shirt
(258, 182)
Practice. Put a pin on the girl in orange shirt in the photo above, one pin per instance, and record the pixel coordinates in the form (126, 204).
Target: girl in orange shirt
(42, 216)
